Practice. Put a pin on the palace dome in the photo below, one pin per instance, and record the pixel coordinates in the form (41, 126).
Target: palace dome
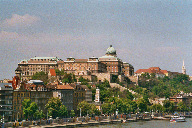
(111, 50)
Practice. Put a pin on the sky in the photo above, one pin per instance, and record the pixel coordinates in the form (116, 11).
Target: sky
(145, 33)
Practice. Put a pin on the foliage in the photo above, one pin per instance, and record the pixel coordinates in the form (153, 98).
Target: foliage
(29, 108)
(87, 108)
(164, 87)
(168, 106)
(41, 76)
(128, 81)
(39, 114)
(83, 81)
(69, 78)
(157, 107)
(106, 108)
(59, 72)
(72, 113)
(190, 106)
(56, 108)
(115, 79)
(182, 106)
(142, 105)
(123, 105)
(127, 95)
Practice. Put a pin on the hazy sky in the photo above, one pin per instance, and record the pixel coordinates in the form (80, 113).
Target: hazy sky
(145, 33)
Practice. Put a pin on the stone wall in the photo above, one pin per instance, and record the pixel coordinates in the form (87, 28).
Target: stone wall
(102, 76)
(134, 79)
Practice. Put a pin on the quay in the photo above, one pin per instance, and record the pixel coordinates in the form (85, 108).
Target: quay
(89, 121)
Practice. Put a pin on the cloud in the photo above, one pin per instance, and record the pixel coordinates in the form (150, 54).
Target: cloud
(20, 21)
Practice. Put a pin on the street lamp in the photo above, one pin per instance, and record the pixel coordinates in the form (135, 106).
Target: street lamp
(17, 116)
(3, 117)
(80, 112)
(2, 120)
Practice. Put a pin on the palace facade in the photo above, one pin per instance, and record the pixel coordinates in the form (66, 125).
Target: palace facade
(102, 67)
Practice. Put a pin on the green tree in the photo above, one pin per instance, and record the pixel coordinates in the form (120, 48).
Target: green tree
(33, 108)
(41, 76)
(168, 106)
(59, 72)
(190, 106)
(153, 75)
(63, 111)
(157, 107)
(106, 83)
(83, 81)
(142, 105)
(182, 106)
(106, 108)
(133, 106)
(115, 79)
(39, 114)
(56, 108)
(26, 104)
(87, 108)
(29, 108)
(72, 113)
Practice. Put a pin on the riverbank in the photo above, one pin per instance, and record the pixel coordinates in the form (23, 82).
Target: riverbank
(90, 121)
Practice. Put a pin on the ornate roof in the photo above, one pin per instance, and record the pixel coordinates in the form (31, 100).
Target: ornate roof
(111, 50)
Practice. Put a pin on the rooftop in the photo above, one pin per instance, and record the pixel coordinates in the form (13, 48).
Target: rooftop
(67, 86)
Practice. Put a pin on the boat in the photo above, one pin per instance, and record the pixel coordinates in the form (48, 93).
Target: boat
(173, 121)
(177, 119)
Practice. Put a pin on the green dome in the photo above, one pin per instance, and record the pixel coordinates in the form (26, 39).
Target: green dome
(111, 50)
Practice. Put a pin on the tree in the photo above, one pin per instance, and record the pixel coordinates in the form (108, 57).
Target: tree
(39, 114)
(72, 113)
(32, 109)
(133, 106)
(62, 111)
(106, 108)
(190, 106)
(168, 106)
(115, 79)
(87, 108)
(127, 94)
(41, 76)
(142, 105)
(106, 83)
(29, 108)
(83, 81)
(26, 103)
(59, 73)
(56, 108)
(157, 107)
(182, 106)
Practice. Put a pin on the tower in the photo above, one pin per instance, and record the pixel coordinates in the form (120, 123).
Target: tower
(18, 72)
(97, 95)
(183, 68)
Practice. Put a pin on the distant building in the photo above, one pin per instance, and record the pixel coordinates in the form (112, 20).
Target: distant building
(33, 90)
(157, 71)
(157, 101)
(182, 97)
(51, 73)
(183, 68)
(65, 93)
(6, 101)
(37, 64)
(81, 93)
(92, 68)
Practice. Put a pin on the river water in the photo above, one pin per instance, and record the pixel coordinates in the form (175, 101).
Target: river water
(150, 124)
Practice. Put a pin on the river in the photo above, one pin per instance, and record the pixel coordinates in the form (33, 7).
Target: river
(150, 124)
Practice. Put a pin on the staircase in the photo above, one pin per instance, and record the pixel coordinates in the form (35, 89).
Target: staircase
(115, 85)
